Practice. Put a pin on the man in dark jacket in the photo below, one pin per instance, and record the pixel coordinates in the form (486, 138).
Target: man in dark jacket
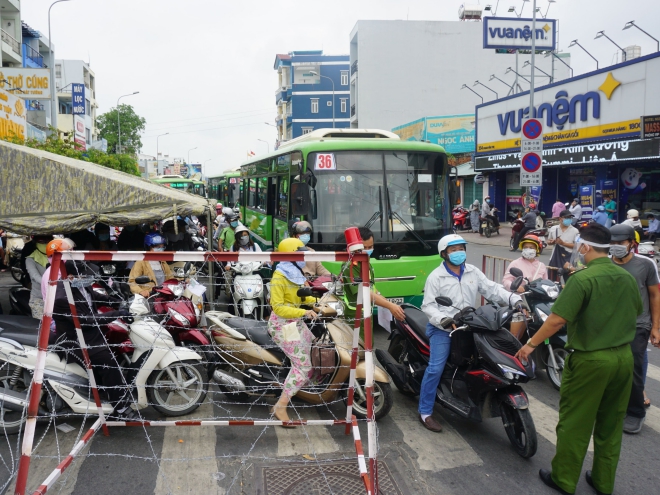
(105, 366)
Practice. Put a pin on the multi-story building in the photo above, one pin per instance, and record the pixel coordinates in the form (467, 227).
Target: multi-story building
(405, 70)
(10, 34)
(68, 72)
(313, 92)
(36, 54)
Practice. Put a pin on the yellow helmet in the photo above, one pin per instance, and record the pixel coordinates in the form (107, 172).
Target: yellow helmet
(290, 245)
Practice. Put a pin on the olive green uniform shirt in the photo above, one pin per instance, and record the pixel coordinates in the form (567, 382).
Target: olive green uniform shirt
(351, 289)
(600, 304)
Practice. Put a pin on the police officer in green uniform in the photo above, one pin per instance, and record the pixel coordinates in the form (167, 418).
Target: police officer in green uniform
(600, 304)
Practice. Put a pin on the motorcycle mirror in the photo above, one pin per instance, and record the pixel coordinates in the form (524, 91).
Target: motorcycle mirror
(304, 292)
(516, 272)
(516, 283)
(443, 301)
(186, 267)
(142, 280)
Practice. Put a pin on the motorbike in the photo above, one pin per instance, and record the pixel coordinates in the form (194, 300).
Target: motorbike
(248, 290)
(19, 299)
(482, 376)
(488, 226)
(15, 264)
(461, 219)
(251, 364)
(171, 379)
(551, 355)
(518, 225)
(646, 249)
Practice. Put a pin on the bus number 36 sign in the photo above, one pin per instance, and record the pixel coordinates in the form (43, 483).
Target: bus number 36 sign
(325, 161)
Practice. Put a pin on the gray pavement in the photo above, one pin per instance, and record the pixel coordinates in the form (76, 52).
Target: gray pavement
(466, 458)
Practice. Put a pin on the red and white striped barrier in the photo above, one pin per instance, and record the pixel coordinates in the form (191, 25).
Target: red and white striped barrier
(364, 306)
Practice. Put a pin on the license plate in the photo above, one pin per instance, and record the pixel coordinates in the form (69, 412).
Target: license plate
(484, 225)
(395, 300)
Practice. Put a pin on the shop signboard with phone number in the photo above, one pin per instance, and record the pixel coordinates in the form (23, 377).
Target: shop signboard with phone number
(325, 161)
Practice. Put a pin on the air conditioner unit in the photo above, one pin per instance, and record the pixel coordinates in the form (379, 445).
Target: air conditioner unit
(467, 12)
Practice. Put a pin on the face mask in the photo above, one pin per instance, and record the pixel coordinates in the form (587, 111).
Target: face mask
(244, 241)
(619, 251)
(567, 221)
(488, 201)
(158, 249)
(581, 258)
(457, 258)
(42, 247)
(104, 237)
(529, 253)
(369, 251)
(301, 264)
(80, 283)
(234, 224)
(305, 238)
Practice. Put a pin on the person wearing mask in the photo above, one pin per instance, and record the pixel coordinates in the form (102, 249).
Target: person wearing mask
(102, 232)
(226, 236)
(157, 271)
(576, 210)
(600, 216)
(600, 306)
(303, 230)
(461, 282)
(488, 212)
(474, 216)
(632, 220)
(610, 209)
(131, 238)
(562, 236)
(35, 264)
(351, 278)
(529, 219)
(557, 208)
(654, 227)
(286, 326)
(645, 273)
(104, 365)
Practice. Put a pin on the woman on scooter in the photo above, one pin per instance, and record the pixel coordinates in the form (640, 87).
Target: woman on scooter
(157, 271)
(286, 326)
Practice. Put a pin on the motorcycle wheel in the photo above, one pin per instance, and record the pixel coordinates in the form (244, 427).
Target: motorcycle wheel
(178, 389)
(555, 374)
(383, 399)
(520, 429)
(17, 274)
(11, 422)
(396, 350)
(487, 231)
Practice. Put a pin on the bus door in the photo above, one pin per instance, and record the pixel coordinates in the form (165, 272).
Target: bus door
(280, 219)
(256, 216)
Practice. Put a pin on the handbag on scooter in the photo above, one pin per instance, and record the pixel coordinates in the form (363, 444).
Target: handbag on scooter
(324, 357)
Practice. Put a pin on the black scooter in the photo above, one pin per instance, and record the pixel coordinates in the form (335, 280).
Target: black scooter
(540, 296)
(481, 378)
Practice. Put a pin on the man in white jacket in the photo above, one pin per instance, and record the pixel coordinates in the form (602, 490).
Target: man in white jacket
(461, 282)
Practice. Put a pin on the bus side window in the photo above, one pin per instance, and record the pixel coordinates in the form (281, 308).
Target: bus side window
(262, 193)
(283, 198)
(252, 193)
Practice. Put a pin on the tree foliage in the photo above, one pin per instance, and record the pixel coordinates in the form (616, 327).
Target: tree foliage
(65, 146)
(131, 127)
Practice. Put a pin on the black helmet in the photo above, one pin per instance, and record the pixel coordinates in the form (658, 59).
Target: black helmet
(621, 232)
(301, 227)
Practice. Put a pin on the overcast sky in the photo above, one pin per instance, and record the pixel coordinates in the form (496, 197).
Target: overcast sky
(204, 69)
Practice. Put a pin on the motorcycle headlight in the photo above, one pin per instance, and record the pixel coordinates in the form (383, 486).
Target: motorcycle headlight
(177, 290)
(510, 373)
(541, 315)
(239, 289)
(179, 317)
(179, 273)
(108, 269)
(551, 290)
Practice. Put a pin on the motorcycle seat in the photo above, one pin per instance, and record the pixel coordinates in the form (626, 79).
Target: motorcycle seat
(417, 321)
(22, 329)
(257, 332)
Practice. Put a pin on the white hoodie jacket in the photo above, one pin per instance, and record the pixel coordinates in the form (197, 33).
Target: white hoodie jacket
(463, 293)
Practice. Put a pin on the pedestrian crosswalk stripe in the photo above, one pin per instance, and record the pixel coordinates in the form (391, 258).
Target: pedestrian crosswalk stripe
(545, 420)
(309, 440)
(653, 418)
(653, 372)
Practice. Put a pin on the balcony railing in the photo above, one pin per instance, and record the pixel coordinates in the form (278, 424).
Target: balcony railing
(33, 55)
(15, 45)
(354, 67)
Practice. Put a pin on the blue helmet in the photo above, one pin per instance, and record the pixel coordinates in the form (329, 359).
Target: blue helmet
(153, 239)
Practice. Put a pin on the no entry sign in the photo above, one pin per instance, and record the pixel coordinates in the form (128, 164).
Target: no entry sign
(531, 152)
(531, 162)
(532, 128)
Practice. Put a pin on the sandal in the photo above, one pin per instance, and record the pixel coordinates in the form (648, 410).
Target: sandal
(272, 412)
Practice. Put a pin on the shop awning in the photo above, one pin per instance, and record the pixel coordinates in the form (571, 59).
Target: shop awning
(52, 194)
(465, 169)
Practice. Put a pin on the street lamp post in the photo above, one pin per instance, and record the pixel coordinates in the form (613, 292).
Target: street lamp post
(157, 148)
(549, 52)
(632, 23)
(313, 72)
(509, 69)
(540, 70)
(491, 90)
(465, 86)
(53, 88)
(575, 42)
(493, 76)
(118, 150)
(601, 34)
(191, 149)
(267, 145)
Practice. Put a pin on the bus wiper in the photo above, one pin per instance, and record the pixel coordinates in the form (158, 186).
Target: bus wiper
(411, 230)
(373, 218)
(380, 207)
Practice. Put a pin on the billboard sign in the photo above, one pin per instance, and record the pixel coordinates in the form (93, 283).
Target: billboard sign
(603, 105)
(79, 132)
(455, 133)
(78, 98)
(650, 126)
(12, 116)
(34, 84)
(516, 33)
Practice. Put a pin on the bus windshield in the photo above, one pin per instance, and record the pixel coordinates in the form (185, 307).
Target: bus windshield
(401, 196)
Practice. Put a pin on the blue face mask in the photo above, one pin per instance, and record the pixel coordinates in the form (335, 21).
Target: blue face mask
(369, 251)
(457, 258)
(567, 221)
(488, 201)
(158, 249)
(301, 264)
(305, 238)
(234, 224)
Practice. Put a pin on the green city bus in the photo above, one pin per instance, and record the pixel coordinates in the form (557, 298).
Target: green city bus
(179, 182)
(226, 188)
(337, 178)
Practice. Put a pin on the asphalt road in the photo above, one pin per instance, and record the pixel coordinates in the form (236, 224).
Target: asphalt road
(466, 458)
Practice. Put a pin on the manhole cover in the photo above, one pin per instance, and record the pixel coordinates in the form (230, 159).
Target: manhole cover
(324, 478)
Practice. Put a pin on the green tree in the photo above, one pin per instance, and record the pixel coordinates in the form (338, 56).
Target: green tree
(131, 127)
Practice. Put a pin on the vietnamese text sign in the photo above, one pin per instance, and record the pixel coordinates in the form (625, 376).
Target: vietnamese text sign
(12, 116)
(530, 172)
(79, 132)
(34, 84)
(455, 133)
(513, 32)
(78, 98)
(650, 126)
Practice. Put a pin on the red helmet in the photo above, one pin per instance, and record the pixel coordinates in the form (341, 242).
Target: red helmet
(534, 240)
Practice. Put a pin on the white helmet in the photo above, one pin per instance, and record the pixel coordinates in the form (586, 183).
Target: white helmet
(450, 240)
(633, 213)
(241, 228)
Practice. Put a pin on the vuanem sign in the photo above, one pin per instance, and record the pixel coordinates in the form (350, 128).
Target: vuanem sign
(516, 33)
(602, 105)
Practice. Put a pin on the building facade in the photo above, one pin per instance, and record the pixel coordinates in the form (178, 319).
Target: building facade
(313, 92)
(68, 72)
(35, 49)
(402, 71)
(10, 34)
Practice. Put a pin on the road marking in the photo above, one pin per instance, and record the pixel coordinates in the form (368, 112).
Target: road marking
(653, 372)
(435, 451)
(653, 418)
(189, 466)
(310, 440)
(546, 419)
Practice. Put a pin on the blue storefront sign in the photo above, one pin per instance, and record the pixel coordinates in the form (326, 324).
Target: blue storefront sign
(78, 98)
(516, 33)
(455, 133)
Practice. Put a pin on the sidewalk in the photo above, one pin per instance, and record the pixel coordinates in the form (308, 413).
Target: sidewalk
(495, 240)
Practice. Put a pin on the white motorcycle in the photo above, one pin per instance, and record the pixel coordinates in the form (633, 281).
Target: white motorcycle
(248, 291)
(171, 379)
